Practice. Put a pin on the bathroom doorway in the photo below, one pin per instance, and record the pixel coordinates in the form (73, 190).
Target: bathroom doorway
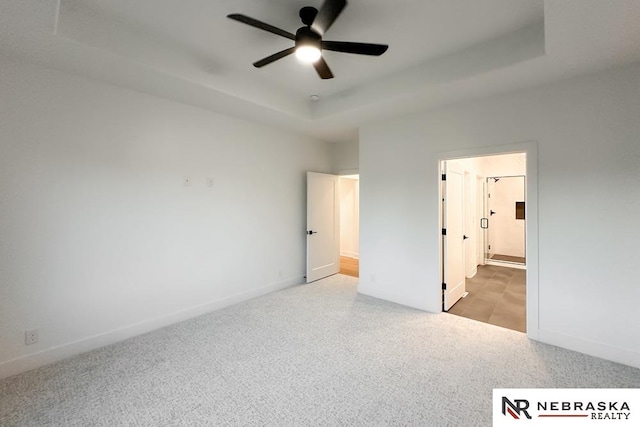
(489, 251)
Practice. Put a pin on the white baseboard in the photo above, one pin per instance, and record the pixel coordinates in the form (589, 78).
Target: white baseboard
(63, 351)
(603, 351)
(350, 254)
(394, 298)
(473, 273)
(505, 264)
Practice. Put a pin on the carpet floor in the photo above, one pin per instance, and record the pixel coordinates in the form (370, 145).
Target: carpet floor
(310, 355)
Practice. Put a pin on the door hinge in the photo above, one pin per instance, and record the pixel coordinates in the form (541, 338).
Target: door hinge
(444, 176)
(444, 286)
(444, 231)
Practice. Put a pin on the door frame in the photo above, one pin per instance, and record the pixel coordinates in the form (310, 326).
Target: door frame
(530, 148)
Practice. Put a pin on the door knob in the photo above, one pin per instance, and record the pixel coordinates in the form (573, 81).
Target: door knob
(464, 237)
(310, 232)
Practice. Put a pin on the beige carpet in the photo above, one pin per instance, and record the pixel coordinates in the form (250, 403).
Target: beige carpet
(311, 355)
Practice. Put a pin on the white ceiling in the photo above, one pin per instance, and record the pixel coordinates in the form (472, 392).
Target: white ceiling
(441, 51)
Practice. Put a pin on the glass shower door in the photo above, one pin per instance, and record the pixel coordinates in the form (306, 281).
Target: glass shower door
(504, 220)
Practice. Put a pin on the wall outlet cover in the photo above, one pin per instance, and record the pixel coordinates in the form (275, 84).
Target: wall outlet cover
(31, 336)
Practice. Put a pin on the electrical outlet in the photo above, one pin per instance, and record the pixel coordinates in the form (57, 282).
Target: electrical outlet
(209, 182)
(31, 336)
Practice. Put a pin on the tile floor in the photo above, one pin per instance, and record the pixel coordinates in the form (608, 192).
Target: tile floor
(497, 295)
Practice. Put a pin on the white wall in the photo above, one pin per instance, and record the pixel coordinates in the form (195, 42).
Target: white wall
(100, 237)
(504, 165)
(587, 132)
(345, 157)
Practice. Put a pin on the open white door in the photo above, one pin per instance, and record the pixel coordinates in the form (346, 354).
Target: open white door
(453, 237)
(323, 226)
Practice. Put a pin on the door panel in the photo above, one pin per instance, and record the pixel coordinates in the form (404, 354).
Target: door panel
(453, 241)
(323, 226)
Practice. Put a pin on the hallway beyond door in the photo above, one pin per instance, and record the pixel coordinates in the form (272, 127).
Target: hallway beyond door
(350, 266)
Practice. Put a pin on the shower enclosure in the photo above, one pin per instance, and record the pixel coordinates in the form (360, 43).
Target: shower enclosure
(504, 220)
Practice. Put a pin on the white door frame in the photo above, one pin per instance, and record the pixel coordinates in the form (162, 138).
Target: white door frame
(530, 148)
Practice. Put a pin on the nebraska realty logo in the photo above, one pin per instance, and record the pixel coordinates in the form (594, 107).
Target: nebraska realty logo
(566, 407)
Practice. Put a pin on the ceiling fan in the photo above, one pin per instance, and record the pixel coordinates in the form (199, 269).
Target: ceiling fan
(308, 39)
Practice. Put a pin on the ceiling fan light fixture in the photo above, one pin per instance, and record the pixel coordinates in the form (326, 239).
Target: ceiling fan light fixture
(308, 53)
(308, 39)
(308, 45)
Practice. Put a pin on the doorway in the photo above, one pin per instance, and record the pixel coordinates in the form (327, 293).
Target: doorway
(333, 225)
(484, 238)
(350, 225)
(505, 237)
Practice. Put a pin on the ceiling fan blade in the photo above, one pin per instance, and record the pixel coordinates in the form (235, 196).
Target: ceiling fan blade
(269, 59)
(323, 69)
(327, 14)
(357, 48)
(261, 25)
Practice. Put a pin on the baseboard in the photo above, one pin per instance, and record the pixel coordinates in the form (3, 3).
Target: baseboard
(601, 350)
(63, 351)
(591, 348)
(473, 273)
(505, 264)
(396, 299)
(350, 254)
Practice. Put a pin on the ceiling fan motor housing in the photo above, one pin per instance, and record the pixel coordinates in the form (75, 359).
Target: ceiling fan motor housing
(308, 14)
(305, 36)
